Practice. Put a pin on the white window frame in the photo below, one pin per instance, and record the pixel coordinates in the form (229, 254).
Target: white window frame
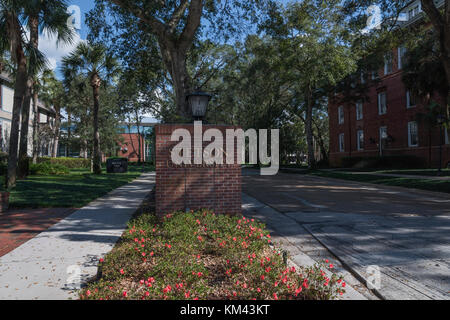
(380, 109)
(410, 124)
(341, 115)
(359, 110)
(386, 63)
(342, 142)
(359, 135)
(408, 100)
(400, 56)
(381, 131)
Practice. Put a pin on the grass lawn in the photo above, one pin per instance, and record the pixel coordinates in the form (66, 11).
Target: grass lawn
(74, 190)
(423, 184)
(202, 256)
(419, 172)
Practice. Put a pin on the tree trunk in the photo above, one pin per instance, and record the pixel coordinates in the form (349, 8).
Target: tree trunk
(175, 63)
(19, 94)
(35, 128)
(97, 158)
(309, 130)
(23, 166)
(57, 130)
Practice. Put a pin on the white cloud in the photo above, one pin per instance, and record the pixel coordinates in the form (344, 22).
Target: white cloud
(55, 52)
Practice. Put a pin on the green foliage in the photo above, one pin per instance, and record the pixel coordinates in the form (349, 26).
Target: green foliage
(71, 163)
(200, 255)
(47, 168)
(385, 162)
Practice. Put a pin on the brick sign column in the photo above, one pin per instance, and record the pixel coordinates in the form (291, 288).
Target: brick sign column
(192, 187)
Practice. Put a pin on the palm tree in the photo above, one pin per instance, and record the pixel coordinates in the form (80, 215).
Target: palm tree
(12, 40)
(97, 65)
(52, 93)
(41, 16)
(27, 59)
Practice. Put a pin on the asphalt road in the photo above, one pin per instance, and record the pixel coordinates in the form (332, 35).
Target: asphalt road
(402, 233)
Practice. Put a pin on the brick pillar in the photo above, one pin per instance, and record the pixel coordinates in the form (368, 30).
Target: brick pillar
(182, 187)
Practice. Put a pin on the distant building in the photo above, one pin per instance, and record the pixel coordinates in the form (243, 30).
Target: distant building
(386, 123)
(133, 137)
(46, 118)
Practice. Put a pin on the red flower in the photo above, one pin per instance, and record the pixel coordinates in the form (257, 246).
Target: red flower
(121, 271)
(275, 296)
(125, 294)
(187, 294)
(101, 260)
(298, 291)
(167, 289)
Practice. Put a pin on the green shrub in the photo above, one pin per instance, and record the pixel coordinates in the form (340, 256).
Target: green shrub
(3, 168)
(385, 162)
(71, 163)
(47, 168)
(3, 157)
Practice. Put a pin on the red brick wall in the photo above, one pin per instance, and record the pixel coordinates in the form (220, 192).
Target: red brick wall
(131, 142)
(194, 187)
(396, 120)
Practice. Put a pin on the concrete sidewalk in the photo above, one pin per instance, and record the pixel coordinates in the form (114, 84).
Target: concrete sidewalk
(52, 265)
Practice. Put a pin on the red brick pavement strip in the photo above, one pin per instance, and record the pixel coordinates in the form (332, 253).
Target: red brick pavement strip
(17, 226)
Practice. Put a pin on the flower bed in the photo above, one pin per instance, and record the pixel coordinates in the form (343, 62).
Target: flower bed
(200, 255)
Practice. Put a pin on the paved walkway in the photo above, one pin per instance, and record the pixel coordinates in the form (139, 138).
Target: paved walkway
(405, 233)
(51, 265)
(19, 226)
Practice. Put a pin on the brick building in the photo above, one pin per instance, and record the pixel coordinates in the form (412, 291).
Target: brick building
(132, 139)
(385, 123)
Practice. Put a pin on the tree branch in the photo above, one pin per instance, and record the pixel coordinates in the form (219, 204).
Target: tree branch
(157, 26)
(192, 24)
(434, 14)
(177, 15)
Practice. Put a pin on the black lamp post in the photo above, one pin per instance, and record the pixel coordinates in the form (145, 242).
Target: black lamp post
(198, 102)
(440, 121)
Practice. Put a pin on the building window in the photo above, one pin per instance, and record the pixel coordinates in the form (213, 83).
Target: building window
(401, 57)
(382, 106)
(341, 143)
(410, 99)
(359, 111)
(360, 139)
(447, 141)
(383, 133)
(363, 77)
(388, 63)
(414, 11)
(413, 134)
(341, 114)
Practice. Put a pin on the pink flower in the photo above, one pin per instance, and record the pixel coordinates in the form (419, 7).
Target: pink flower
(121, 271)
(275, 296)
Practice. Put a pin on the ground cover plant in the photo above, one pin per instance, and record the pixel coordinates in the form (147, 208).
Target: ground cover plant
(199, 256)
